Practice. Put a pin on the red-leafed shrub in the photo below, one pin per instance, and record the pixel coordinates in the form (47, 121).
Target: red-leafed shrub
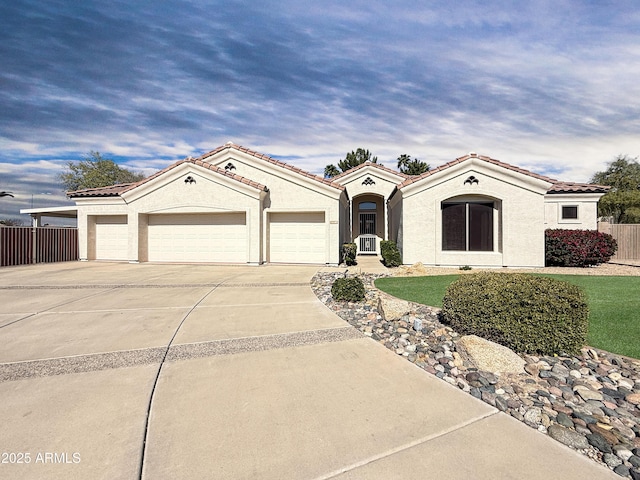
(578, 248)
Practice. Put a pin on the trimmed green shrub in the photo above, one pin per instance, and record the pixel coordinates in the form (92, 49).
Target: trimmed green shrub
(349, 289)
(349, 251)
(578, 248)
(390, 254)
(526, 313)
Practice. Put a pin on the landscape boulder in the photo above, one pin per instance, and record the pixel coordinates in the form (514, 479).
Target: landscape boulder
(489, 356)
(391, 308)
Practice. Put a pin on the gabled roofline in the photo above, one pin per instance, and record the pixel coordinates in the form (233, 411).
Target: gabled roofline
(469, 156)
(556, 185)
(118, 190)
(271, 160)
(371, 164)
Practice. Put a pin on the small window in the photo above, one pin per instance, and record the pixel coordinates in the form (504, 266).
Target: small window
(569, 212)
(367, 206)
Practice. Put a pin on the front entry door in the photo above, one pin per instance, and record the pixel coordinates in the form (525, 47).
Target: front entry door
(368, 233)
(367, 224)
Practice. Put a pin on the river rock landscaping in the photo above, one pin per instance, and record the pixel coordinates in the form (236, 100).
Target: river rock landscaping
(589, 402)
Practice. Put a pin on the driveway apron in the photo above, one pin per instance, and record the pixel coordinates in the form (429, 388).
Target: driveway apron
(194, 371)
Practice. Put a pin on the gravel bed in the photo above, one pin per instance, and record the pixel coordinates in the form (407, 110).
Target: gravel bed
(589, 402)
(609, 269)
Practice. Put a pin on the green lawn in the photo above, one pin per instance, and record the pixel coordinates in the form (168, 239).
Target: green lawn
(614, 305)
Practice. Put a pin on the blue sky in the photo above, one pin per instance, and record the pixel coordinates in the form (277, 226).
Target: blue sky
(551, 86)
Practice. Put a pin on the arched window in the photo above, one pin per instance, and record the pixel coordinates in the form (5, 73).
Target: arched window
(366, 206)
(467, 226)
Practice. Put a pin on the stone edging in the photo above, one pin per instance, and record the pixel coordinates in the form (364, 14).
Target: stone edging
(588, 402)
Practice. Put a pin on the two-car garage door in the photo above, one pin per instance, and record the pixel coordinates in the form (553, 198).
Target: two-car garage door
(219, 237)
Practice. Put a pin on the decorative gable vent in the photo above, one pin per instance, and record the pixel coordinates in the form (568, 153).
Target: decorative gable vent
(229, 166)
(472, 180)
(189, 180)
(368, 181)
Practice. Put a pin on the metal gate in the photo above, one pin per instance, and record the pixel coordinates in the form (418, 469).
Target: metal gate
(368, 244)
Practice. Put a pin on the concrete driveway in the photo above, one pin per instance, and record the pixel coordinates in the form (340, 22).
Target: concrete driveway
(192, 371)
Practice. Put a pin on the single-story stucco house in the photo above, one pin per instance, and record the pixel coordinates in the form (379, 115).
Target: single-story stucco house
(235, 205)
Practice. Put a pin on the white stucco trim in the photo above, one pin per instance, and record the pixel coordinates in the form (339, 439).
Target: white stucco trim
(267, 167)
(475, 166)
(185, 170)
(369, 171)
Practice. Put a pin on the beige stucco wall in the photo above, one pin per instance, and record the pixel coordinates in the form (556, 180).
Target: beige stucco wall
(211, 193)
(587, 211)
(291, 192)
(519, 220)
(88, 209)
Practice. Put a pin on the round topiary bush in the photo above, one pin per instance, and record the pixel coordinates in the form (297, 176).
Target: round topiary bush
(526, 313)
(348, 289)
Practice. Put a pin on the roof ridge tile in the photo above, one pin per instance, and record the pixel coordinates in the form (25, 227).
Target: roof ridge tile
(273, 161)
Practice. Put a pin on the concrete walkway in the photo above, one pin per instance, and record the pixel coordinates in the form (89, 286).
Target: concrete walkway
(191, 371)
(368, 264)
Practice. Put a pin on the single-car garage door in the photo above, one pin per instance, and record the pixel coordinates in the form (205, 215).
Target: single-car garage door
(111, 237)
(218, 237)
(298, 237)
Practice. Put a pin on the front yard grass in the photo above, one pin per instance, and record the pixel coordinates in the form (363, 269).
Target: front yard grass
(614, 305)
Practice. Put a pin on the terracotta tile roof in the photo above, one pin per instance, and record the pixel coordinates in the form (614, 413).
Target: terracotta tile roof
(371, 164)
(117, 190)
(267, 158)
(568, 187)
(557, 186)
(111, 191)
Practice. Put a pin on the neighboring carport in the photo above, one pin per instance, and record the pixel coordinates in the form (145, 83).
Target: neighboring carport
(37, 214)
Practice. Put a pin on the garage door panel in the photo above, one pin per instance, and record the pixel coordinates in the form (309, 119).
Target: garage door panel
(112, 237)
(198, 238)
(297, 237)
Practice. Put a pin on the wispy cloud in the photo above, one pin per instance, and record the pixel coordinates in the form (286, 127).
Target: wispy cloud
(548, 85)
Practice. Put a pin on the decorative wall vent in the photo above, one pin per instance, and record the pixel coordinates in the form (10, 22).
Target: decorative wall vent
(471, 180)
(189, 180)
(368, 181)
(229, 166)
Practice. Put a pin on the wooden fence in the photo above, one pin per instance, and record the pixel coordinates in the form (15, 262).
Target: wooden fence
(628, 238)
(25, 245)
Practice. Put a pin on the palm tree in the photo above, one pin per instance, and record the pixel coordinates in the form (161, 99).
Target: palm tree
(412, 167)
(331, 171)
(6, 194)
(403, 161)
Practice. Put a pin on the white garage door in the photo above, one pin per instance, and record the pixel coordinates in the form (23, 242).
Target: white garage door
(111, 237)
(219, 237)
(297, 237)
